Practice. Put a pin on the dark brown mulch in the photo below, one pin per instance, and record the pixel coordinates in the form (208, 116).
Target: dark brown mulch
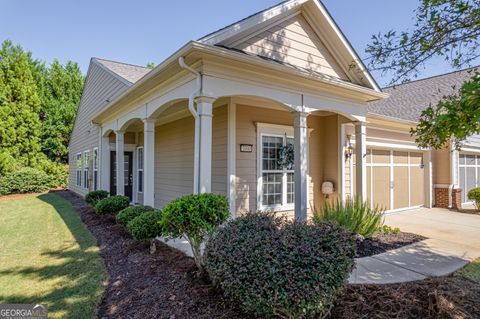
(384, 242)
(165, 285)
(448, 297)
(144, 285)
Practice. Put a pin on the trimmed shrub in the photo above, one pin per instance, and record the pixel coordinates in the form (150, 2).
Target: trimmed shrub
(474, 196)
(94, 197)
(195, 217)
(112, 205)
(131, 212)
(354, 215)
(24, 180)
(145, 227)
(275, 267)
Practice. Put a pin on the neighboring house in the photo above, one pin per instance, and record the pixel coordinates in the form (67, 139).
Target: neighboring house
(454, 172)
(218, 113)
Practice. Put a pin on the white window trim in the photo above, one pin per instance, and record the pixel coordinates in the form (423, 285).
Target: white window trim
(265, 129)
(86, 168)
(140, 169)
(78, 182)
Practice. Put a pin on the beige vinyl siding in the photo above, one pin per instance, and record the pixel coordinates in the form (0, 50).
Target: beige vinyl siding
(100, 86)
(441, 166)
(293, 41)
(174, 157)
(323, 153)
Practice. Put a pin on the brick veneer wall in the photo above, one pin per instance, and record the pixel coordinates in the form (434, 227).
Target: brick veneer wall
(442, 198)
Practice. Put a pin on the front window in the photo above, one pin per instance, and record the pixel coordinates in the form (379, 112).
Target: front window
(277, 171)
(79, 170)
(140, 169)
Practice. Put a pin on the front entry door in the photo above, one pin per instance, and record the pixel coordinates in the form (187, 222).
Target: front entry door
(128, 173)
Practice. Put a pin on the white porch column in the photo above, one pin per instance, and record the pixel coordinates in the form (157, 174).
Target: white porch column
(105, 163)
(120, 162)
(361, 163)
(204, 110)
(301, 165)
(149, 162)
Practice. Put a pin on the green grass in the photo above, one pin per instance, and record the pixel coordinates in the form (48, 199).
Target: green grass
(48, 256)
(471, 271)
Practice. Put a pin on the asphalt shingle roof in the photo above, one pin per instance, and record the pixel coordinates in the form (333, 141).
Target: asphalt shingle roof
(407, 101)
(131, 73)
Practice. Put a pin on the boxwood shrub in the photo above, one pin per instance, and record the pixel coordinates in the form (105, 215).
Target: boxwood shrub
(145, 227)
(94, 197)
(131, 212)
(274, 267)
(196, 217)
(24, 180)
(474, 196)
(112, 205)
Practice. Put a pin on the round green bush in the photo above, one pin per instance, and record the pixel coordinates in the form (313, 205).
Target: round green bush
(130, 213)
(474, 196)
(94, 197)
(24, 180)
(146, 226)
(195, 217)
(274, 267)
(112, 205)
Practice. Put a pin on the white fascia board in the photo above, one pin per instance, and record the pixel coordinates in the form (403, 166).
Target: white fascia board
(243, 25)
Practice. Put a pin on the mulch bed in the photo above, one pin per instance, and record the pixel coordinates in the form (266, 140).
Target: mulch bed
(165, 285)
(384, 242)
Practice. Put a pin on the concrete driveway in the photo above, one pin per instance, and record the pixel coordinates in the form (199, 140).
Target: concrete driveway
(441, 224)
(453, 241)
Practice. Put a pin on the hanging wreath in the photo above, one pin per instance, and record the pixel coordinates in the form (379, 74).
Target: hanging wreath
(285, 156)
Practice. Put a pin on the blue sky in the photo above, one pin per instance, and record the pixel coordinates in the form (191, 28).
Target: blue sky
(141, 31)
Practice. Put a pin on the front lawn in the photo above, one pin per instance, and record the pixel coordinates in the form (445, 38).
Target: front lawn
(48, 256)
(471, 271)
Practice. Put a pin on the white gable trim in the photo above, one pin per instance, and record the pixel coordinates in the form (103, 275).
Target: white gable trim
(243, 25)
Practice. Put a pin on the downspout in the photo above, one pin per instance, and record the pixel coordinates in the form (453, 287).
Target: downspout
(191, 108)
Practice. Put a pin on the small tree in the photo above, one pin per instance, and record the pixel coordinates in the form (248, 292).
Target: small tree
(195, 217)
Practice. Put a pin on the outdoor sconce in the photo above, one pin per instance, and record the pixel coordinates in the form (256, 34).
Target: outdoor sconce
(348, 148)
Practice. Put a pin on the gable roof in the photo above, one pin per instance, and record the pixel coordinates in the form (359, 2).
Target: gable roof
(322, 24)
(407, 101)
(127, 72)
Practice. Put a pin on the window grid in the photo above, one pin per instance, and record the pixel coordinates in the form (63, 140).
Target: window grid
(86, 155)
(277, 182)
(79, 170)
(95, 168)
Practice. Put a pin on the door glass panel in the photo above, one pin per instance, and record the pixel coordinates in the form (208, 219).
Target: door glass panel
(400, 187)
(417, 183)
(470, 159)
(126, 170)
(400, 157)
(381, 186)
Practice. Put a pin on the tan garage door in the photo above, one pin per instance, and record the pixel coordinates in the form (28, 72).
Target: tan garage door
(395, 179)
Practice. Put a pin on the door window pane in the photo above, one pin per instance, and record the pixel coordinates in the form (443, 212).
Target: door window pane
(272, 188)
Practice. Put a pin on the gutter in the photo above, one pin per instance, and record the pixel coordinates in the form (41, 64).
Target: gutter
(191, 108)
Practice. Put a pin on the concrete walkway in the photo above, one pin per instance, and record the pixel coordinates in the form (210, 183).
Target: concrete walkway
(454, 241)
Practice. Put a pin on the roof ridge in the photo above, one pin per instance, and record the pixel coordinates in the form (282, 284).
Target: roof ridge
(432, 77)
(124, 63)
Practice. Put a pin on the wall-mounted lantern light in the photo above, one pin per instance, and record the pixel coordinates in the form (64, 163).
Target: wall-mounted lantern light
(348, 148)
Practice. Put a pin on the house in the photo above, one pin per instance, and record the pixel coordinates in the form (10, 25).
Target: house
(275, 111)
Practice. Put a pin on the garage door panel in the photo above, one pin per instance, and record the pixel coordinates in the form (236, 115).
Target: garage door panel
(400, 157)
(400, 189)
(469, 167)
(462, 182)
(380, 157)
(381, 186)
(471, 179)
(417, 186)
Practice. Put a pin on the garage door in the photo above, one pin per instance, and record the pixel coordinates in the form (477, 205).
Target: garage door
(468, 173)
(395, 179)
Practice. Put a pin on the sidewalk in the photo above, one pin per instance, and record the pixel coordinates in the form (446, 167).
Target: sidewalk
(428, 258)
